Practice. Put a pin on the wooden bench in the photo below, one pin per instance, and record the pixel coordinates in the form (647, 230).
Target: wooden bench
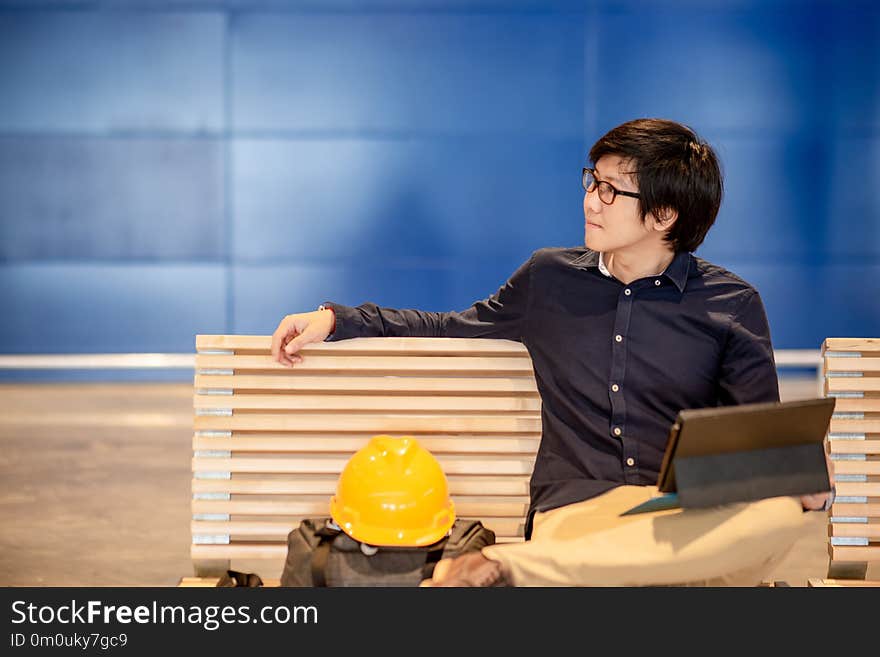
(270, 441)
(852, 374)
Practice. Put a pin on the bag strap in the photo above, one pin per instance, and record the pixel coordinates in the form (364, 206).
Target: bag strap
(431, 560)
(321, 554)
(319, 563)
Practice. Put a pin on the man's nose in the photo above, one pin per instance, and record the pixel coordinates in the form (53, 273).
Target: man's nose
(591, 201)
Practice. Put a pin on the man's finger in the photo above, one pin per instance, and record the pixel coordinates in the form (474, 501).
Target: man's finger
(277, 338)
(283, 358)
(284, 338)
(297, 343)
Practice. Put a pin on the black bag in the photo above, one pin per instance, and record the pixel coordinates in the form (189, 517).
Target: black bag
(320, 554)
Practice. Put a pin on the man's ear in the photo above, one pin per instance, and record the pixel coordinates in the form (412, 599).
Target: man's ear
(663, 219)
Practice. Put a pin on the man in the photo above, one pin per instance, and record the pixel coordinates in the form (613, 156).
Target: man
(623, 334)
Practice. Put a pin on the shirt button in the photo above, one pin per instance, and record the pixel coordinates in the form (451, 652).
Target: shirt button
(617, 431)
(618, 338)
(657, 282)
(630, 461)
(615, 388)
(627, 291)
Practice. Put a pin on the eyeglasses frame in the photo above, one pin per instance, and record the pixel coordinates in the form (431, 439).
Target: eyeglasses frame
(596, 182)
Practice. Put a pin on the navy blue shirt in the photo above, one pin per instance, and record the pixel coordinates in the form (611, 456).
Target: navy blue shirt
(614, 363)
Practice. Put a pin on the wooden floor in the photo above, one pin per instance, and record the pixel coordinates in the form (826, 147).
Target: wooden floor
(95, 484)
(95, 487)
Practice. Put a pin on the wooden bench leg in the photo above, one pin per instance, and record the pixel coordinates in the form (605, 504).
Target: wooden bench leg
(210, 567)
(847, 569)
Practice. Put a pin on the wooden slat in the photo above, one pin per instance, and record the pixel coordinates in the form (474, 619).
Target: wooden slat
(401, 424)
(299, 485)
(478, 365)
(348, 444)
(852, 384)
(280, 530)
(855, 446)
(855, 426)
(266, 529)
(854, 553)
(198, 582)
(352, 403)
(323, 485)
(857, 405)
(306, 464)
(856, 467)
(206, 582)
(868, 365)
(845, 509)
(275, 552)
(843, 583)
(464, 506)
(425, 346)
(860, 489)
(855, 530)
(470, 385)
(309, 464)
(861, 405)
(309, 506)
(851, 344)
(504, 528)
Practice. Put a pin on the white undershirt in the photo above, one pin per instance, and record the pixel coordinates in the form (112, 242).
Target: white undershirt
(604, 269)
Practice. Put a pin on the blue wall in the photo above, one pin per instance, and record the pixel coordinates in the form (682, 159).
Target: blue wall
(173, 168)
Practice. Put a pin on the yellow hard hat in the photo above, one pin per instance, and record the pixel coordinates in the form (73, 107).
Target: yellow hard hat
(393, 492)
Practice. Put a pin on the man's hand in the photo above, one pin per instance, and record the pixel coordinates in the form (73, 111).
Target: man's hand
(469, 569)
(817, 501)
(814, 502)
(296, 331)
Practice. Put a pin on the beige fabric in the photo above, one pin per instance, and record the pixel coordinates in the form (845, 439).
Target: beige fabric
(591, 544)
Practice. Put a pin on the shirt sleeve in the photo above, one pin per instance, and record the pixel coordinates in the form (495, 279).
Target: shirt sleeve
(501, 315)
(748, 370)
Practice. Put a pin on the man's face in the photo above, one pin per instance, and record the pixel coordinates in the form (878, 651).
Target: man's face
(609, 228)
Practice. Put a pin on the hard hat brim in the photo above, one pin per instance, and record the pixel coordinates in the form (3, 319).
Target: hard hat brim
(391, 536)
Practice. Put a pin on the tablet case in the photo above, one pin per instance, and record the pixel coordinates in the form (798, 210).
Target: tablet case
(747, 452)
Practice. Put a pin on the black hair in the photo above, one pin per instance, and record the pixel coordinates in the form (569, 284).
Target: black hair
(675, 170)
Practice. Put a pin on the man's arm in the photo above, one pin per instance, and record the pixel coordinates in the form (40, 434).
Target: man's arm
(499, 316)
(748, 372)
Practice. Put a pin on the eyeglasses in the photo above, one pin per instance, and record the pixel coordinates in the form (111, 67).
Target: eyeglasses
(607, 191)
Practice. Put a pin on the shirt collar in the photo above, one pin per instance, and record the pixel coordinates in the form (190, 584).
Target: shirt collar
(677, 271)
